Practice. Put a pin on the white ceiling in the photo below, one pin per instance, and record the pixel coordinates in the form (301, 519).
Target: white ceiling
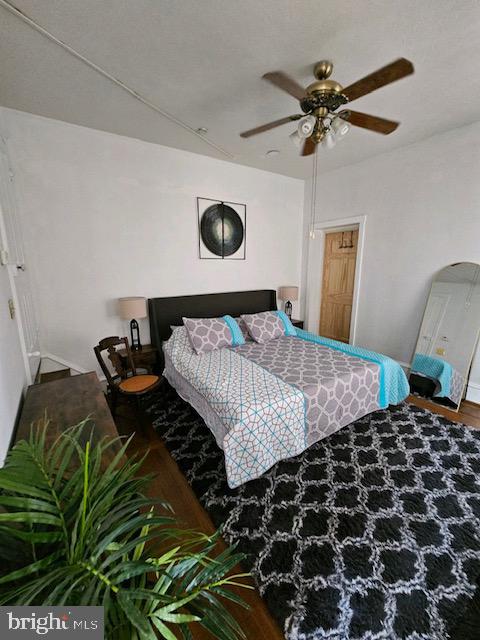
(202, 61)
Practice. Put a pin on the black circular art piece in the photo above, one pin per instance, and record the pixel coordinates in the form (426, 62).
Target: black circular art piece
(221, 229)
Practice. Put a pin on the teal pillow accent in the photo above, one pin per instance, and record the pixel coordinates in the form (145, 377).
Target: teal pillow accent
(237, 335)
(289, 328)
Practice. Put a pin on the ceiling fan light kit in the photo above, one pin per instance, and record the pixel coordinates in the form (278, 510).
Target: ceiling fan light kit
(296, 139)
(329, 140)
(341, 127)
(306, 126)
(319, 102)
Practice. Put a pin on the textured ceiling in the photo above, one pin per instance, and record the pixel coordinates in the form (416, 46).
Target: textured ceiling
(202, 61)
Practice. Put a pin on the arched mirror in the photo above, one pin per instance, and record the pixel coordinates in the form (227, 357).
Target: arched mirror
(448, 335)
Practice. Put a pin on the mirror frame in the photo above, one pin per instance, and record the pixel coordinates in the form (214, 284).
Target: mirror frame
(470, 359)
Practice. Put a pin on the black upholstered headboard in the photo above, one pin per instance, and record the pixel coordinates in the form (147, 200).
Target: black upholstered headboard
(166, 312)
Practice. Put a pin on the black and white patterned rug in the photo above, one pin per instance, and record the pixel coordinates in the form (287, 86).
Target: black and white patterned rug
(371, 533)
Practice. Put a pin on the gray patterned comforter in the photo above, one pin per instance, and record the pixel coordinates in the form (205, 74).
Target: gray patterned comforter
(338, 388)
(267, 402)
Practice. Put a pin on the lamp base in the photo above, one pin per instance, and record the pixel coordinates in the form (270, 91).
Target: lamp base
(288, 309)
(135, 345)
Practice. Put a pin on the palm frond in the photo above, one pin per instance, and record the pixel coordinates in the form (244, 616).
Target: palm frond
(77, 530)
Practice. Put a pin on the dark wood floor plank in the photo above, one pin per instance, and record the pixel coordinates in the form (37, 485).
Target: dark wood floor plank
(469, 411)
(49, 376)
(171, 485)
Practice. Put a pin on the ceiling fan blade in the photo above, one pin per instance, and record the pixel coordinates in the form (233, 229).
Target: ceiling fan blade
(268, 126)
(285, 83)
(392, 72)
(366, 121)
(309, 147)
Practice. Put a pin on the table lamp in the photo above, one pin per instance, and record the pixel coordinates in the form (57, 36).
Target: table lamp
(288, 294)
(130, 309)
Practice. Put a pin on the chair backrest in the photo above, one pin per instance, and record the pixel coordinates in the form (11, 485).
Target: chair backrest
(121, 365)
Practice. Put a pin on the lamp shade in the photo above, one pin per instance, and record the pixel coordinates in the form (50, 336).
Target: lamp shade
(288, 293)
(129, 308)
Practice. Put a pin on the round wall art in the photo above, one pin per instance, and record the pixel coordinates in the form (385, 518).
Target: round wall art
(221, 229)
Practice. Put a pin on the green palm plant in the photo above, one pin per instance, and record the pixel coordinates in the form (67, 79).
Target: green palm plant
(75, 530)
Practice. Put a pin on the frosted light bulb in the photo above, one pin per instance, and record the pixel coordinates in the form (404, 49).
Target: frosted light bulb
(296, 139)
(306, 126)
(341, 127)
(330, 140)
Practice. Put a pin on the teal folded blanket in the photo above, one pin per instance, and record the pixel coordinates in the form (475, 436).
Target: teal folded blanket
(436, 369)
(394, 385)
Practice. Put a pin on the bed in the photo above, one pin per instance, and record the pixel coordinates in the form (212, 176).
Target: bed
(267, 402)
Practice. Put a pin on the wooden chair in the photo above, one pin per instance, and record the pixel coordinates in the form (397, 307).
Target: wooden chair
(125, 382)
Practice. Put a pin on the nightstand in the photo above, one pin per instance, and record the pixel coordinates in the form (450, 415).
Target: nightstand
(146, 358)
(297, 323)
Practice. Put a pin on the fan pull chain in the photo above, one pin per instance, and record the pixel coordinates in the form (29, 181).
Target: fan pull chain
(313, 196)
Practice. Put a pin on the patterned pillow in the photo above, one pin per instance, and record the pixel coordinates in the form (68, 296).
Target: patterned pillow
(268, 325)
(207, 334)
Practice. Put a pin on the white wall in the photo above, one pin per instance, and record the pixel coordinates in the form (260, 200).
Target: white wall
(106, 216)
(12, 370)
(422, 204)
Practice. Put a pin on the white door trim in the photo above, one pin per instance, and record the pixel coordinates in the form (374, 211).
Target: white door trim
(11, 242)
(315, 269)
(13, 292)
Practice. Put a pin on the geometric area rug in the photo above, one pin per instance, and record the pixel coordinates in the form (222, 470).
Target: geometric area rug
(372, 533)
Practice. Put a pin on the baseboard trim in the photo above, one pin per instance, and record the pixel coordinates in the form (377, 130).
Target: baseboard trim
(70, 365)
(473, 392)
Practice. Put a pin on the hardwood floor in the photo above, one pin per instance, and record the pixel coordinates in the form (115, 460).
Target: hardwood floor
(170, 484)
(469, 411)
(54, 375)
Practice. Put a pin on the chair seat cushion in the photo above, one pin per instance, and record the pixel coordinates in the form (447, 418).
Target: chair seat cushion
(137, 384)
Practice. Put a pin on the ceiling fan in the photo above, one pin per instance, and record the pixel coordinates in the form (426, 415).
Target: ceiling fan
(319, 102)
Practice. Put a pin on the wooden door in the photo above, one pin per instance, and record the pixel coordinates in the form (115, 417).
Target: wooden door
(340, 255)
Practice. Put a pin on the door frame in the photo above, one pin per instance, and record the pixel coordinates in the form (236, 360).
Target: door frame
(315, 270)
(12, 251)
(13, 292)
